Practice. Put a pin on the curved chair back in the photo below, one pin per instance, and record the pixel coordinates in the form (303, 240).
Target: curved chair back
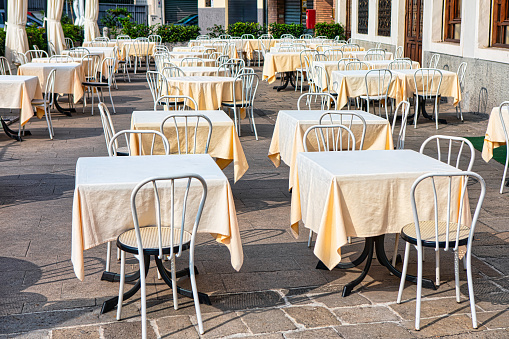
(69, 44)
(78, 52)
(319, 57)
(349, 47)
(461, 75)
(189, 123)
(60, 58)
(172, 72)
(98, 44)
(192, 62)
(107, 123)
(5, 66)
(431, 80)
(123, 37)
(452, 150)
(178, 102)
(35, 53)
(232, 67)
(333, 54)
(107, 70)
(91, 63)
(330, 138)
(155, 38)
(137, 135)
(158, 85)
(203, 37)
(325, 100)
(321, 78)
(399, 52)
(399, 64)
(249, 86)
(375, 54)
(433, 61)
(344, 61)
(404, 108)
(356, 66)
(49, 89)
(51, 48)
(504, 116)
(345, 118)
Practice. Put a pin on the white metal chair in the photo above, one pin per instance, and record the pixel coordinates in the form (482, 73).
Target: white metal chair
(203, 37)
(165, 239)
(18, 58)
(447, 231)
(99, 43)
(107, 69)
(404, 108)
(102, 38)
(350, 47)
(60, 58)
(47, 101)
(433, 61)
(431, 80)
(452, 144)
(155, 38)
(244, 99)
(330, 138)
(5, 66)
(109, 132)
(319, 57)
(132, 135)
(304, 66)
(78, 52)
(264, 42)
(225, 37)
(375, 54)
(172, 72)
(230, 49)
(284, 48)
(51, 49)
(378, 90)
(505, 113)
(461, 79)
(158, 85)
(91, 63)
(344, 61)
(123, 37)
(188, 123)
(400, 64)
(356, 66)
(232, 67)
(35, 53)
(178, 102)
(333, 54)
(399, 52)
(141, 50)
(69, 44)
(325, 100)
(192, 62)
(306, 36)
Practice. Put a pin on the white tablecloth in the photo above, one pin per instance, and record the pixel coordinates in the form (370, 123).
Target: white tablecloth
(17, 92)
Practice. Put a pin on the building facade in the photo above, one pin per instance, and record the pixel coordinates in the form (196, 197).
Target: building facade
(472, 31)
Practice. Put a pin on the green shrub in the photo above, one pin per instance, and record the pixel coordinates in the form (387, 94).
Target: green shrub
(177, 33)
(36, 36)
(240, 28)
(2, 42)
(330, 30)
(279, 29)
(112, 19)
(216, 31)
(73, 32)
(133, 29)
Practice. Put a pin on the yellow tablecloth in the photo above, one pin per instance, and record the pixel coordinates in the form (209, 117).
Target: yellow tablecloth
(144, 47)
(363, 194)
(102, 201)
(279, 62)
(17, 92)
(380, 64)
(494, 136)
(206, 62)
(251, 45)
(287, 139)
(208, 91)
(202, 71)
(362, 54)
(189, 54)
(190, 49)
(68, 77)
(225, 145)
(450, 86)
(351, 84)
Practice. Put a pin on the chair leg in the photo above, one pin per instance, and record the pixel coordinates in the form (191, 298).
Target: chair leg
(403, 273)
(46, 113)
(143, 297)
(118, 253)
(174, 282)
(471, 288)
(419, 291)
(111, 99)
(108, 256)
(416, 110)
(436, 111)
(505, 170)
(310, 238)
(253, 122)
(195, 293)
(92, 89)
(457, 275)
(437, 268)
(121, 287)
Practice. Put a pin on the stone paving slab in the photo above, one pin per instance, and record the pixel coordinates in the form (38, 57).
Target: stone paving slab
(278, 293)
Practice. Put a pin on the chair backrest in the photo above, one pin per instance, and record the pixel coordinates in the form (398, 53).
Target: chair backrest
(5, 66)
(19, 58)
(249, 86)
(502, 120)
(35, 53)
(91, 65)
(230, 49)
(232, 67)
(49, 90)
(433, 61)
(321, 78)
(108, 128)
(78, 52)
(333, 54)
(178, 102)
(325, 100)
(377, 82)
(399, 64)
(344, 118)
(461, 75)
(356, 66)
(203, 37)
(159, 60)
(107, 70)
(155, 38)
(456, 210)
(453, 150)
(176, 205)
(98, 44)
(51, 48)
(142, 38)
(247, 36)
(123, 37)
(222, 59)
(188, 124)
(60, 58)
(157, 84)
(431, 80)
(141, 47)
(197, 49)
(68, 43)
(284, 47)
(306, 36)
(102, 38)
(404, 108)
(399, 52)
(172, 72)
(161, 49)
(225, 36)
(208, 53)
(330, 138)
(297, 47)
(137, 135)
(309, 53)
(319, 57)
(349, 47)
(344, 61)
(246, 70)
(375, 54)
(192, 62)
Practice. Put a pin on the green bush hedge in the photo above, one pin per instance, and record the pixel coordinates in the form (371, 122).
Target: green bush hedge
(2, 42)
(279, 29)
(177, 33)
(330, 30)
(240, 28)
(36, 36)
(75, 33)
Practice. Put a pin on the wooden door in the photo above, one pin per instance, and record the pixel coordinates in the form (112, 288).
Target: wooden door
(413, 30)
(348, 24)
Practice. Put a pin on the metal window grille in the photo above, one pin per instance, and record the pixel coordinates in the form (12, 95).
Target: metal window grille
(384, 17)
(363, 15)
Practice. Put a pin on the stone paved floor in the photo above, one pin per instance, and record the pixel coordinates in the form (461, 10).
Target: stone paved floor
(278, 293)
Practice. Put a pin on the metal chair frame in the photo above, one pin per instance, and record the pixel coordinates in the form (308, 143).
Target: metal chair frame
(189, 121)
(404, 107)
(128, 134)
(178, 102)
(381, 89)
(426, 91)
(325, 98)
(330, 141)
(461, 79)
(48, 100)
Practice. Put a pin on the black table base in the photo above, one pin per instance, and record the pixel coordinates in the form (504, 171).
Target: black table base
(110, 304)
(66, 111)
(16, 135)
(422, 109)
(286, 77)
(373, 245)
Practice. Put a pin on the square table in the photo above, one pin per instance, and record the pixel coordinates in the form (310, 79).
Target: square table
(287, 139)
(224, 145)
(17, 92)
(278, 63)
(102, 200)
(364, 194)
(351, 84)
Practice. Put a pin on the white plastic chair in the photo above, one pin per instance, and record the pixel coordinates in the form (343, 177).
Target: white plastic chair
(189, 123)
(162, 240)
(47, 102)
(443, 232)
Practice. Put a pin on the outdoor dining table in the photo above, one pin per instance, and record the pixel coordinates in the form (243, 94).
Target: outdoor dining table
(224, 146)
(102, 206)
(287, 138)
(381, 64)
(127, 48)
(17, 92)
(69, 77)
(181, 55)
(494, 136)
(206, 62)
(202, 71)
(362, 54)
(281, 62)
(251, 45)
(190, 49)
(365, 194)
(208, 91)
(351, 84)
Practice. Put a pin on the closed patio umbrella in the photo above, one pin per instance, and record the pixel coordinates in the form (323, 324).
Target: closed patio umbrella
(91, 15)
(16, 36)
(54, 28)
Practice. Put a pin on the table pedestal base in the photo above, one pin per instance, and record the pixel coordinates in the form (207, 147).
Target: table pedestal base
(374, 245)
(287, 77)
(110, 304)
(66, 111)
(16, 135)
